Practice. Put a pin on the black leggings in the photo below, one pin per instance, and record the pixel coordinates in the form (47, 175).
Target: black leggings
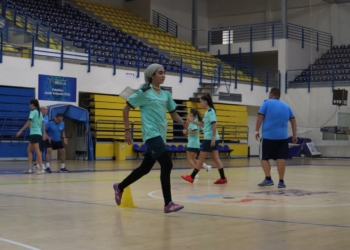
(147, 164)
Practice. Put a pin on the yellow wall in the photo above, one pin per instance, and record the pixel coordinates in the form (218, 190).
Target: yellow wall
(109, 108)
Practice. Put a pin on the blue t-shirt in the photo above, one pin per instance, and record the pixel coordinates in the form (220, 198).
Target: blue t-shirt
(54, 130)
(276, 116)
(153, 108)
(46, 121)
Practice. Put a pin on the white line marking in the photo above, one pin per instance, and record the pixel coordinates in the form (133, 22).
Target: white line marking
(19, 244)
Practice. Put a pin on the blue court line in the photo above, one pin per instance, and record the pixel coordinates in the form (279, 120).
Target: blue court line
(190, 213)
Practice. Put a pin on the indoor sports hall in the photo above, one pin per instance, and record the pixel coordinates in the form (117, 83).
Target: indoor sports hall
(82, 60)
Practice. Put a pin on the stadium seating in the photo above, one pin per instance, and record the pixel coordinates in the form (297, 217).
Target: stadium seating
(122, 29)
(334, 65)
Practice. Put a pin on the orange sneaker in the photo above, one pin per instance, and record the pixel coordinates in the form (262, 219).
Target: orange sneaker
(220, 181)
(187, 178)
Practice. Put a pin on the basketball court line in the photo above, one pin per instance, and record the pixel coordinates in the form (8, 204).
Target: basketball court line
(19, 244)
(184, 212)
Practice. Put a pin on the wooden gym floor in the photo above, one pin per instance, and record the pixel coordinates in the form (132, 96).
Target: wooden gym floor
(77, 210)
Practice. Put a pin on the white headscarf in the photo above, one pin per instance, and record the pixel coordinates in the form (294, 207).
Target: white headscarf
(150, 70)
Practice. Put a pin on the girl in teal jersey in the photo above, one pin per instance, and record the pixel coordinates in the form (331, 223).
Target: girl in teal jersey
(193, 144)
(154, 102)
(37, 134)
(210, 142)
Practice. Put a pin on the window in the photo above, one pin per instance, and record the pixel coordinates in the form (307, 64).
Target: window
(343, 123)
(226, 34)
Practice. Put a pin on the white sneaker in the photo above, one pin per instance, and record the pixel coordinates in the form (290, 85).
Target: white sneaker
(206, 167)
(197, 176)
(28, 171)
(35, 167)
(40, 171)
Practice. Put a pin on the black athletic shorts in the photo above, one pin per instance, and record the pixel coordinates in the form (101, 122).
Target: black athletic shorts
(42, 145)
(35, 139)
(156, 147)
(54, 144)
(273, 149)
(206, 146)
(193, 150)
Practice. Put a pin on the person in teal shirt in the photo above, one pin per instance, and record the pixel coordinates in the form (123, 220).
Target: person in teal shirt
(154, 103)
(193, 144)
(37, 134)
(210, 142)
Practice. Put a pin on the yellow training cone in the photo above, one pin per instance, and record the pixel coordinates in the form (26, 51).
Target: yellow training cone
(127, 201)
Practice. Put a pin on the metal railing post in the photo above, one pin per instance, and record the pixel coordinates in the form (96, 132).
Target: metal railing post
(25, 22)
(33, 47)
(62, 50)
(4, 3)
(1, 45)
(114, 60)
(286, 82)
(251, 45)
(14, 16)
(279, 80)
(48, 39)
(219, 73)
(37, 31)
(89, 58)
(181, 69)
(267, 81)
(252, 78)
(236, 76)
(317, 42)
(302, 38)
(229, 41)
(138, 63)
(223, 134)
(332, 80)
(273, 34)
(208, 48)
(309, 82)
(201, 72)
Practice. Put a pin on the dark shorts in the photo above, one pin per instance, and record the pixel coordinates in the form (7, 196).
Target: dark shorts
(273, 149)
(155, 147)
(35, 139)
(54, 144)
(193, 150)
(206, 146)
(42, 145)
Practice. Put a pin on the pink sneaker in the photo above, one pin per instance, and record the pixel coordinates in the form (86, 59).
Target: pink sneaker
(172, 207)
(118, 195)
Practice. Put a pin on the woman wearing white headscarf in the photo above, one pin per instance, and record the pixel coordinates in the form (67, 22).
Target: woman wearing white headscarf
(154, 102)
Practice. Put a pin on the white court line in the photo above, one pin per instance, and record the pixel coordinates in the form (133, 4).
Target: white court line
(19, 244)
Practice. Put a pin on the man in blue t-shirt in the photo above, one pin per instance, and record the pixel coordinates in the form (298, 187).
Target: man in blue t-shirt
(55, 132)
(274, 115)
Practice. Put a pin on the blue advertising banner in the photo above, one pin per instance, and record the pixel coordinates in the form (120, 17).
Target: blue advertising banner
(57, 88)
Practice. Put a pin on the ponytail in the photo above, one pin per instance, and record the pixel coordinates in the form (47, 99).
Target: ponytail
(196, 114)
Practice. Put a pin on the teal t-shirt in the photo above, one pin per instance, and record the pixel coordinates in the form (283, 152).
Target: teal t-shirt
(153, 108)
(209, 118)
(193, 139)
(36, 122)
